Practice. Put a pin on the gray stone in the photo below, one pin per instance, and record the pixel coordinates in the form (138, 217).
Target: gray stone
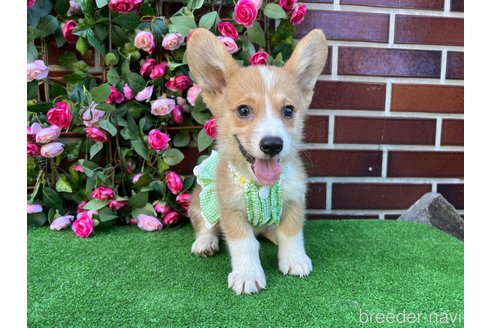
(434, 210)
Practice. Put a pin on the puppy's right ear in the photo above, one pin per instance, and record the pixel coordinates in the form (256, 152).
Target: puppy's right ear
(209, 61)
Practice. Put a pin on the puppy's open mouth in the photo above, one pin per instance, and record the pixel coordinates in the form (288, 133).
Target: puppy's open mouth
(267, 171)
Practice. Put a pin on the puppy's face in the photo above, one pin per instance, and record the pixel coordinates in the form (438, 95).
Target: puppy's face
(259, 109)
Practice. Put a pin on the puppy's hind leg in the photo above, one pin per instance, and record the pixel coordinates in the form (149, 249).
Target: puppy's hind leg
(206, 239)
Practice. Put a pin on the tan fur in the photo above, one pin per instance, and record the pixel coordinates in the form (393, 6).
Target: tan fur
(266, 90)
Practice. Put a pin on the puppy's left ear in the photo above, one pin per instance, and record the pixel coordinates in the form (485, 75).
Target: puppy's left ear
(308, 59)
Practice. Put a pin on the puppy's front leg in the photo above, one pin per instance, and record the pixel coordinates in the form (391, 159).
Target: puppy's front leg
(292, 258)
(247, 275)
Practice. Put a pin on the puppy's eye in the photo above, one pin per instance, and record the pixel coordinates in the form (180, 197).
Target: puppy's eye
(244, 111)
(288, 111)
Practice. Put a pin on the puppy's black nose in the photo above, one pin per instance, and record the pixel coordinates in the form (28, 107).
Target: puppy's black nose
(271, 145)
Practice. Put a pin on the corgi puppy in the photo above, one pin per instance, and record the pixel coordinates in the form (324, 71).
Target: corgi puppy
(254, 183)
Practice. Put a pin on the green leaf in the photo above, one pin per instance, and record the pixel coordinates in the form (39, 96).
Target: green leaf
(194, 4)
(95, 148)
(158, 186)
(101, 93)
(188, 183)
(106, 107)
(32, 90)
(182, 24)
(108, 126)
(158, 27)
(96, 204)
(146, 10)
(57, 90)
(106, 214)
(32, 52)
(129, 21)
(138, 200)
(143, 181)
(40, 9)
(113, 77)
(62, 184)
(51, 199)
(36, 219)
(118, 36)
(172, 156)
(40, 108)
(181, 139)
(61, 7)
(101, 3)
(47, 25)
(204, 141)
(88, 167)
(93, 41)
(68, 59)
(208, 20)
(201, 117)
(135, 81)
(256, 33)
(273, 10)
(140, 147)
(161, 165)
(148, 209)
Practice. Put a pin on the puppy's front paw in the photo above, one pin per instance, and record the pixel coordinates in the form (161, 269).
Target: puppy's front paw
(205, 245)
(295, 264)
(247, 281)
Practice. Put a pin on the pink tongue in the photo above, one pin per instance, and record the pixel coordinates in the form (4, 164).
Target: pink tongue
(267, 171)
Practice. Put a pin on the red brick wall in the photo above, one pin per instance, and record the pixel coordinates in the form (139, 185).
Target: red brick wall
(386, 122)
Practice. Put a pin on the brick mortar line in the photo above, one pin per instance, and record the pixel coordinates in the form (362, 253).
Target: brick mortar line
(329, 188)
(384, 10)
(334, 61)
(387, 100)
(434, 187)
(391, 32)
(384, 162)
(393, 80)
(331, 129)
(381, 180)
(447, 6)
(438, 131)
(444, 64)
(389, 147)
(382, 114)
(385, 45)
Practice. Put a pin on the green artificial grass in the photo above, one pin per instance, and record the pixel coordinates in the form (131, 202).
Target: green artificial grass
(124, 277)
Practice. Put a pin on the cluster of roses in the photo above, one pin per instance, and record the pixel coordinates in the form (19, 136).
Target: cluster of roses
(246, 11)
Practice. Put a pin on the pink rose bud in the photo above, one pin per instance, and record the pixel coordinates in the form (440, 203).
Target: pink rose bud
(37, 70)
(157, 140)
(115, 96)
(229, 43)
(174, 183)
(80, 207)
(91, 116)
(227, 29)
(96, 134)
(86, 213)
(127, 91)
(211, 127)
(148, 223)
(158, 71)
(82, 227)
(259, 58)
(179, 82)
(298, 14)
(67, 29)
(257, 3)
(147, 66)
(145, 94)
(33, 150)
(177, 115)
(129, 166)
(161, 208)
(184, 200)
(162, 106)
(287, 5)
(52, 150)
(245, 12)
(32, 131)
(60, 115)
(121, 6)
(172, 41)
(48, 134)
(31, 3)
(103, 193)
(116, 205)
(171, 218)
(73, 9)
(144, 40)
(193, 93)
(61, 222)
(182, 104)
(137, 177)
(78, 168)
(34, 208)
(133, 221)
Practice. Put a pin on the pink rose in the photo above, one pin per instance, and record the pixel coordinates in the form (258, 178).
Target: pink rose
(257, 3)
(74, 8)
(147, 66)
(121, 6)
(145, 94)
(259, 58)
(37, 70)
(171, 218)
(31, 3)
(82, 227)
(245, 12)
(158, 71)
(67, 29)
(60, 115)
(88, 213)
(158, 140)
(162, 106)
(298, 14)
(48, 134)
(229, 43)
(182, 104)
(179, 82)
(137, 177)
(127, 91)
(227, 29)
(133, 221)
(148, 223)
(32, 131)
(144, 40)
(103, 193)
(287, 5)
(34, 208)
(33, 150)
(172, 41)
(177, 115)
(174, 183)
(80, 207)
(129, 166)
(184, 200)
(91, 116)
(61, 222)
(161, 208)
(211, 127)
(96, 134)
(115, 96)
(78, 168)
(193, 93)
(116, 205)
(52, 150)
